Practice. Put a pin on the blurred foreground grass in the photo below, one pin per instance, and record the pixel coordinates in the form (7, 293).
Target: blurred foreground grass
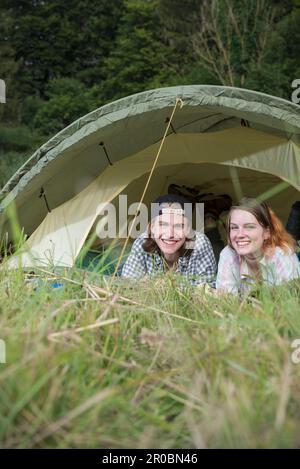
(145, 365)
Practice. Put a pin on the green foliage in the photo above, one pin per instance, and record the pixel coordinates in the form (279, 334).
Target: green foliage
(8, 68)
(54, 39)
(30, 107)
(229, 381)
(15, 138)
(68, 100)
(282, 49)
(10, 162)
(61, 60)
(16, 145)
(140, 59)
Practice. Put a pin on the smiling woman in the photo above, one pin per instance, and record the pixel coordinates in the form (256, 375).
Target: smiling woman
(259, 249)
(171, 244)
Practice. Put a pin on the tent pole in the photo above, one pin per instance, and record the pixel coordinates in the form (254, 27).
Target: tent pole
(180, 103)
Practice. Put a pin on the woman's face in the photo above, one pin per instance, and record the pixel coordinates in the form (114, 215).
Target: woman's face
(247, 236)
(169, 231)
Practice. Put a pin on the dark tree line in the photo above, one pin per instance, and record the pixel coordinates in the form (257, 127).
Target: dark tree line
(62, 59)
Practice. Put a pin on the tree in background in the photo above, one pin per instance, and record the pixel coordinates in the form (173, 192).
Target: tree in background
(51, 54)
(178, 24)
(141, 58)
(233, 35)
(67, 100)
(54, 39)
(9, 67)
(281, 64)
(61, 60)
(246, 43)
(181, 20)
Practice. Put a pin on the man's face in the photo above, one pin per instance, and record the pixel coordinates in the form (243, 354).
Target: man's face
(170, 230)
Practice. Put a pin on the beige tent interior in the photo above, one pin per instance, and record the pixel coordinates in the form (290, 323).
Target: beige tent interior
(222, 140)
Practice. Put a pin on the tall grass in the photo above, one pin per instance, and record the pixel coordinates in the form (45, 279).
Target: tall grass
(147, 364)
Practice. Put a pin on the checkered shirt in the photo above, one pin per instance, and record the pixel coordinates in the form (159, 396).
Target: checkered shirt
(199, 267)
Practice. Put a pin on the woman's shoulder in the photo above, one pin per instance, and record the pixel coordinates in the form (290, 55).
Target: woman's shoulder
(279, 252)
(229, 253)
(280, 256)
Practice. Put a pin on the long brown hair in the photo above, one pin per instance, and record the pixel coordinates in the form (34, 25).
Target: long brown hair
(268, 220)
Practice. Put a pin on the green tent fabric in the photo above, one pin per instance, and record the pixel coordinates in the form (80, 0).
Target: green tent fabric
(224, 140)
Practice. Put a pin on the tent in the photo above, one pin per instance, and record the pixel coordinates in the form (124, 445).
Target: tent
(223, 139)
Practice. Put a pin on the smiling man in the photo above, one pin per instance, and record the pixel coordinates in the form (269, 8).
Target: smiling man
(171, 245)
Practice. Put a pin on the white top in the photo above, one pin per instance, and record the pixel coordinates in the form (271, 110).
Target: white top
(234, 274)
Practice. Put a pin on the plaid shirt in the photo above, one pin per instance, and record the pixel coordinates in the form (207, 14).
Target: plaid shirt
(199, 267)
(234, 275)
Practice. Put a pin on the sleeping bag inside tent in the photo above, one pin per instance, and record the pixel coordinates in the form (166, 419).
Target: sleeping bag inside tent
(222, 140)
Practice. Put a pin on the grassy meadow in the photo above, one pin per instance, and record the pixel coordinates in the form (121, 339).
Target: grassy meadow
(98, 364)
